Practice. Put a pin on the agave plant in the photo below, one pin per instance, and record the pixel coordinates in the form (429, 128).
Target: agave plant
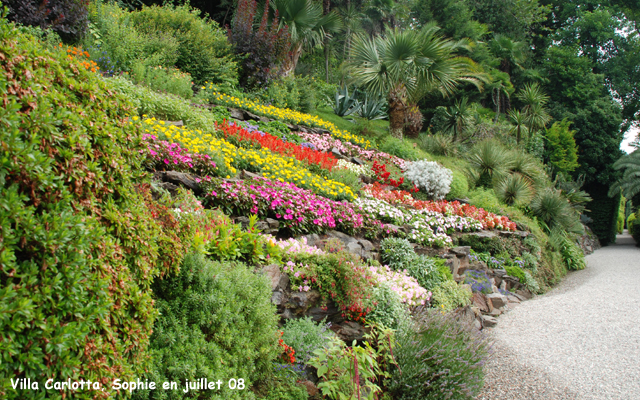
(372, 108)
(553, 209)
(528, 166)
(489, 162)
(514, 189)
(345, 104)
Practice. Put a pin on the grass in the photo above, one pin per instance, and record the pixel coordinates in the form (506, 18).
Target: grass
(380, 127)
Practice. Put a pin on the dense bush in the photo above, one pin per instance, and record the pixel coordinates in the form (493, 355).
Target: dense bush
(635, 228)
(306, 336)
(631, 224)
(438, 357)
(450, 295)
(261, 51)
(167, 80)
(399, 254)
(66, 17)
(603, 210)
(216, 322)
(388, 308)
(459, 185)
(430, 177)
(401, 148)
(81, 242)
(203, 50)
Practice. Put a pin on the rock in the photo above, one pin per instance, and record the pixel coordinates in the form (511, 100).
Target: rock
(169, 187)
(349, 331)
(174, 123)
(182, 179)
(236, 113)
(453, 263)
(262, 226)
(519, 296)
(496, 312)
(391, 228)
(465, 314)
(336, 153)
(331, 313)
(461, 251)
(366, 245)
(498, 272)
(287, 314)
(480, 300)
(244, 221)
(489, 321)
(312, 390)
(478, 266)
(524, 293)
(356, 160)
(512, 283)
(477, 324)
(367, 179)
(273, 223)
(484, 234)
(279, 281)
(277, 298)
(251, 175)
(513, 299)
(514, 234)
(497, 300)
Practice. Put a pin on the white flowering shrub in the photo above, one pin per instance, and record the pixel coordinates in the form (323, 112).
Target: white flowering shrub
(355, 168)
(430, 177)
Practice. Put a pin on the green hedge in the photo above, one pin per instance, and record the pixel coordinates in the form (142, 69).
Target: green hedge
(603, 212)
(80, 240)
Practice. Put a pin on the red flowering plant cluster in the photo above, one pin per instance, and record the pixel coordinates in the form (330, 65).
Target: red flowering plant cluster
(277, 145)
(401, 197)
(288, 352)
(338, 276)
(381, 174)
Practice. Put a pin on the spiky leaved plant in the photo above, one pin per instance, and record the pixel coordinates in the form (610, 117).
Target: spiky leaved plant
(514, 189)
(489, 162)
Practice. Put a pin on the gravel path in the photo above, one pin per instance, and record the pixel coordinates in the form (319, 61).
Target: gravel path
(579, 341)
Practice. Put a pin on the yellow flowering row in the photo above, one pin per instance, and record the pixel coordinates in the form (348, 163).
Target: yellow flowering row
(286, 114)
(272, 166)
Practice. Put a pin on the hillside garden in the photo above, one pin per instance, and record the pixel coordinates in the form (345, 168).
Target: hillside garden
(159, 170)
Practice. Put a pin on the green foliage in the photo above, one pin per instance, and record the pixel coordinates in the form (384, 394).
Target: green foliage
(347, 177)
(401, 148)
(635, 228)
(282, 385)
(631, 224)
(346, 104)
(516, 272)
(306, 336)
(387, 307)
(438, 357)
(116, 44)
(167, 80)
(630, 182)
(561, 150)
(489, 162)
(203, 51)
(514, 189)
(449, 295)
(554, 211)
(459, 186)
(82, 239)
(571, 253)
(485, 198)
(216, 320)
(440, 145)
(399, 255)
(171, 108)
(397, 252)
(603, 211)
(530, 282)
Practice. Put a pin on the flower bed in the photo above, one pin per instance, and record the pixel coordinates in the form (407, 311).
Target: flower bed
(427, 227)
(405, 286)
(272, 166)
(285, 114)
(404, 198)
(298, 209)
(277, 145)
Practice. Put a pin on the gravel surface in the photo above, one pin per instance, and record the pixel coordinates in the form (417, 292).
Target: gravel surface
(579, 341)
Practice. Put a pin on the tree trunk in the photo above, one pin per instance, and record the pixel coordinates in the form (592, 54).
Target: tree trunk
(292, 62)
(397, 108)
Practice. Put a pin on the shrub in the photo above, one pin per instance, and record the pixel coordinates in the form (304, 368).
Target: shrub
(561, 150)
(514, 189)
(387, 306)
(158, 78)
(635, 228)
(440, 145)
(68, 18)
(489, 162)
(261, 51)
(397, 252)
(306, 336)
(449, 296)
(530, 282)
(630, 223)
(459, 185)
(216, 320)
(516, 272)
(400, 148)
(554, 211)
(438, 357)
(116, 44)
(346, 177)
(487, 199)
(203, 51)
(571, 253)
(82, 238)
(430, 177)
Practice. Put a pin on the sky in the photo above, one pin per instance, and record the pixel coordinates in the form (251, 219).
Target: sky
(628, 138)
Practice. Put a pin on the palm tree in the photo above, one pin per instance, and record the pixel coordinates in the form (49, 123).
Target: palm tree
(519, 121)
(350, 18)
(406, 65)
(629, 185)
(510, 52)
(458, 118)
(307, 26)
(534, 100)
